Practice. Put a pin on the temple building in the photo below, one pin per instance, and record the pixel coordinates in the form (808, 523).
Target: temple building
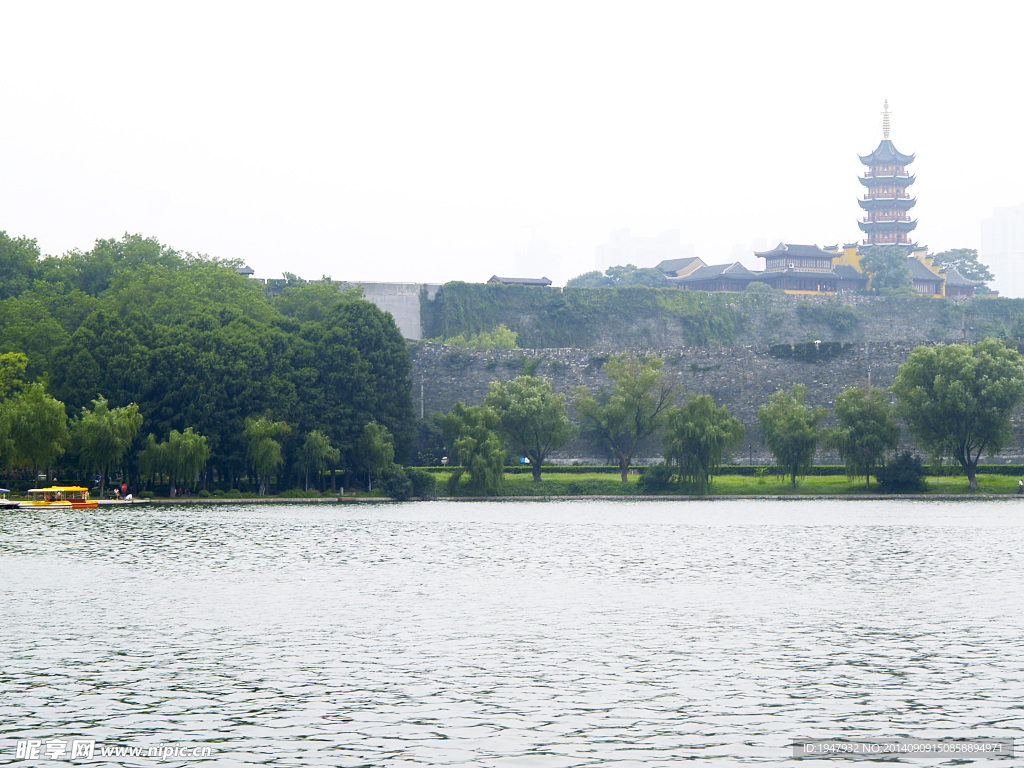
(809, 269)
(831, 270)
(886, 201)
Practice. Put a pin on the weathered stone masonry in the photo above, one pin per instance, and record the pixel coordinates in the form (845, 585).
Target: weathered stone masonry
(740, 377)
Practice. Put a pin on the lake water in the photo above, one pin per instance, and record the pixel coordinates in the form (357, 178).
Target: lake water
(518, 634)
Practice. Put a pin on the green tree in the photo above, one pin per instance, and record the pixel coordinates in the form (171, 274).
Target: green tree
(594, 279)
(19, 264)
(958, 399)
(313, 302)
(473, 433)
(356, 370)
(185, 456)
(789, 427)
(377, 447)
(697, 437)
(533, 418)
(319, 455)
(101, 436)
(12, 374)
(263, 450)
(95, 271)
(496, 338)
(867, 429)
(621, 277)
(965, 260)
(887, 267)
(632, 409)
(152, 459)
(33, 429)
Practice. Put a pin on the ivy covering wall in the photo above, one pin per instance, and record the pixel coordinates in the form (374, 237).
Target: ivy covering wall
(585, 317)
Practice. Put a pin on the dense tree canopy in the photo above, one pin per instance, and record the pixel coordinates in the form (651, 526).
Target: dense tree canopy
(966, 262)
(198, 346)
(958, 399)
(887, 268)
(621, 277)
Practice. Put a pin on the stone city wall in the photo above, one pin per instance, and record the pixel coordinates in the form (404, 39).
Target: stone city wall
(740, 377)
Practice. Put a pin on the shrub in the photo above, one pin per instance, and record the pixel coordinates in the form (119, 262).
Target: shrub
(904, 474)
(203, 494)
(234, 493)
(424, 484)
(657, 479)
(145, 494)
(298, 493)
(394, 482)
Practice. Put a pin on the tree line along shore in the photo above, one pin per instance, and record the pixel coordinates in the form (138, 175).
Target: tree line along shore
(169, 371)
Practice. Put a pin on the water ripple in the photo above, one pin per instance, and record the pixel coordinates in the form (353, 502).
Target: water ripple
(517, 634)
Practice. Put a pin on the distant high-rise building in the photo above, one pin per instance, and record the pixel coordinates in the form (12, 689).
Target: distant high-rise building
(622, 248)
(886, 202)
(1002, 249)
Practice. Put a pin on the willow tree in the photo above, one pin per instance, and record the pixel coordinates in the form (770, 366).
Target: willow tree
(697, 437)
(377, 449)
(262, 447)
(33, 429)
(473, 433)
(152, 459)
(319, 455)
(100, 436)
(186, 455)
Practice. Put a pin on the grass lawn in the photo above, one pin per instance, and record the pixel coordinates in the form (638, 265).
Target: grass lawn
(597, 484)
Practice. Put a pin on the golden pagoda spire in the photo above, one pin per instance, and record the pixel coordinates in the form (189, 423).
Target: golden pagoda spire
(885, 120)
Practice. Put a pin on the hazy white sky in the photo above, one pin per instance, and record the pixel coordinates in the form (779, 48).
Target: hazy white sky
(431, 141)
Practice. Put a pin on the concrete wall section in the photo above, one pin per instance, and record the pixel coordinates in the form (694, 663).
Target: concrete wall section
(402, 302)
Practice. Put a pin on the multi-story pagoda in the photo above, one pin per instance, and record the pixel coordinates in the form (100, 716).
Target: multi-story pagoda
(886, 202)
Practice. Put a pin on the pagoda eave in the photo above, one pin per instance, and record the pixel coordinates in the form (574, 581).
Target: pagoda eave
(886, 153)
(880, 181)
(876, 227)
(888, 204)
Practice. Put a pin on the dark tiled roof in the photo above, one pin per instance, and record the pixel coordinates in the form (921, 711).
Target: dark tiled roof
(542, 281)
(734, 270)
(780, 273)
(674, 265)
(886, 153)
(792, 249)
(953, 277)
(921, 273)
(846, 272)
